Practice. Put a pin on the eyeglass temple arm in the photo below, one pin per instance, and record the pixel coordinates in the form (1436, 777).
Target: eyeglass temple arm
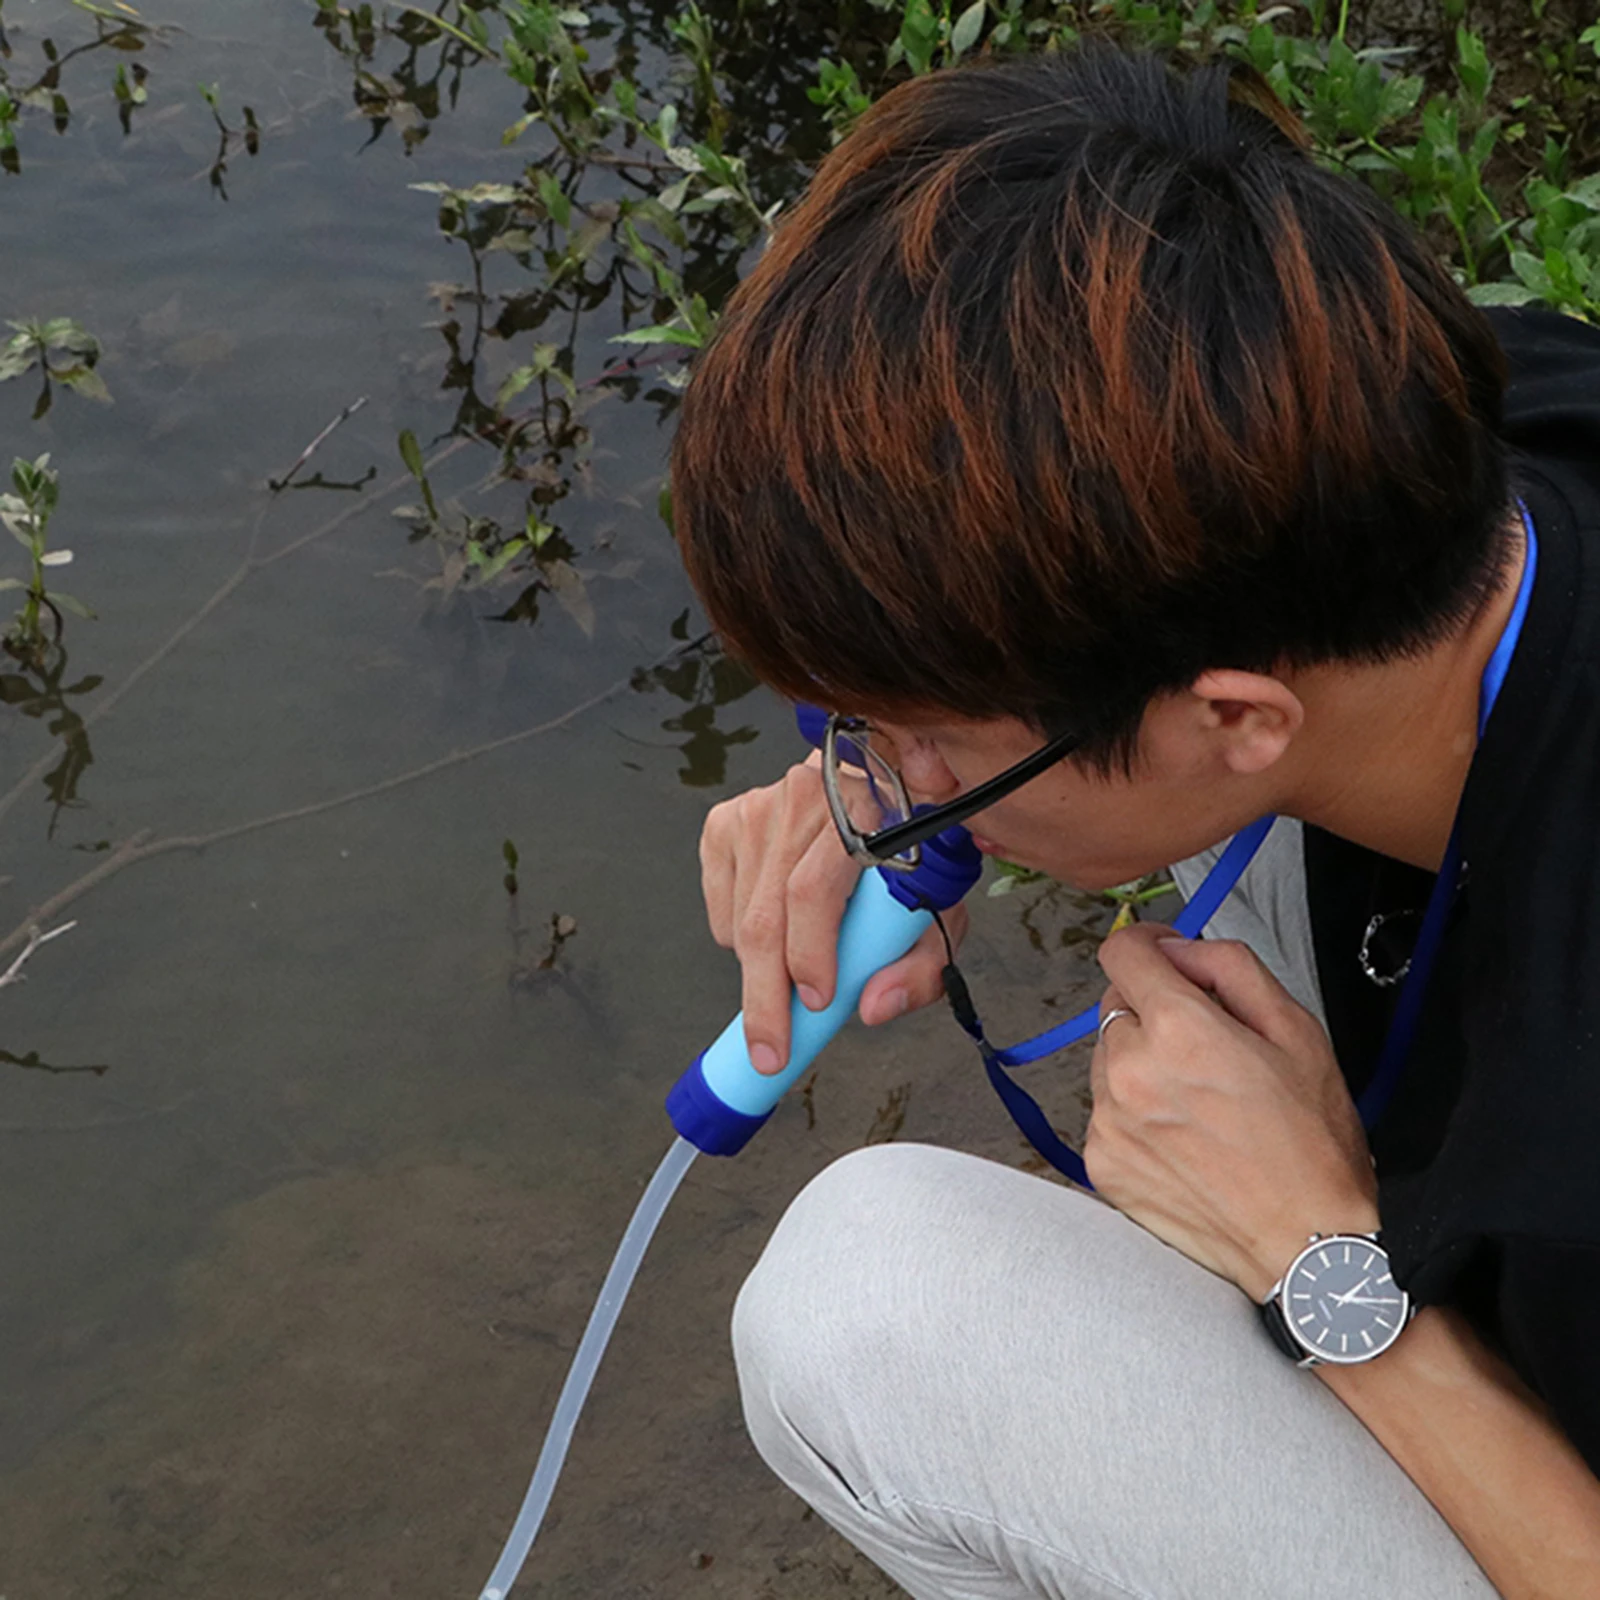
(891, 840)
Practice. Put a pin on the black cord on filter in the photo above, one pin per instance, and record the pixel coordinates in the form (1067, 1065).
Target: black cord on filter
(959, 996)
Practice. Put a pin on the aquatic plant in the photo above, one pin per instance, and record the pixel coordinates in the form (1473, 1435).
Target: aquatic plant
(62, 350)
(38, 86)
(26, 515)
(639, 199)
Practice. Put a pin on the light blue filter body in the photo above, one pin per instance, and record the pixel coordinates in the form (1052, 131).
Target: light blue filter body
(877, 929)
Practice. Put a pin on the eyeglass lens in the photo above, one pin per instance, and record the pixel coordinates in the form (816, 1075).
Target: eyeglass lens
(874, 796)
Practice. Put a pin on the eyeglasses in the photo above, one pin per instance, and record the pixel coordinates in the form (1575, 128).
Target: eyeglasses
(873, 811)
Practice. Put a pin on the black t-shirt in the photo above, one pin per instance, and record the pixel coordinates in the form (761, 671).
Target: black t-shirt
(1489, 1153)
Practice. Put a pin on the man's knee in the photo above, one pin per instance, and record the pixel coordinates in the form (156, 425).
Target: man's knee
(828, 1303)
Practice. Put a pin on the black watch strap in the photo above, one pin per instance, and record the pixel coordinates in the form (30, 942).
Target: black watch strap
(1277, 1325)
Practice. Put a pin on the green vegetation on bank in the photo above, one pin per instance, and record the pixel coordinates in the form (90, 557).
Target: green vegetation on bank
(655, 145)
(639, 199)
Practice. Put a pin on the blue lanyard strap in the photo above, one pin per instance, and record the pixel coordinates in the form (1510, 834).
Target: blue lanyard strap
(1026, 1112)
(1402, 1032)
(1024, 1109)
(1194, 916)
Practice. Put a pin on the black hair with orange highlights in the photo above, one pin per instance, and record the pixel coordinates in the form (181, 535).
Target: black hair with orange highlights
(1071, 377)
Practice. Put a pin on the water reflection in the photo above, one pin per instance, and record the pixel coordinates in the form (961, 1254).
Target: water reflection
(40, 690)
(706, 680)
(29, 85)
(32, 1062)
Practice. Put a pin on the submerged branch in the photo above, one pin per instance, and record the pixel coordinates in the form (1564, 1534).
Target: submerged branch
(142, 847)
(14, 973)
(252, 563)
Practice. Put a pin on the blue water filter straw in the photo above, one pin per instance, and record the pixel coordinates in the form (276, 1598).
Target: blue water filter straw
(720, 1102)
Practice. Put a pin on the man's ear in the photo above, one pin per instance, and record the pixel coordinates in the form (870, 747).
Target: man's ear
(1252, 718)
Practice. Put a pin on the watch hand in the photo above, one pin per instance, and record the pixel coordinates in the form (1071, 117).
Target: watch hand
(1368, 1300)
(1345, 1299)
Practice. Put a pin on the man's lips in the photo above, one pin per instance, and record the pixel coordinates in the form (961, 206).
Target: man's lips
(987, 846)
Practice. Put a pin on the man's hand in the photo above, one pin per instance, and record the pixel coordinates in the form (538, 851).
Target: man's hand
(776, 880)
(1221, 1121)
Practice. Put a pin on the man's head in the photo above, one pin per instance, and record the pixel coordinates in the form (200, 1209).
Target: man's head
(1070, 379)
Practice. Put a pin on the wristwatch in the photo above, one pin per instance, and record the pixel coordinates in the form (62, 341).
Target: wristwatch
(1337, 1303)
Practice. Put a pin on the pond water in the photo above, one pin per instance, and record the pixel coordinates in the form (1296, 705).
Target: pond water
(287, 1290)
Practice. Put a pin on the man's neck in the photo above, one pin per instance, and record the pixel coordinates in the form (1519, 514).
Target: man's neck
(1389, 747)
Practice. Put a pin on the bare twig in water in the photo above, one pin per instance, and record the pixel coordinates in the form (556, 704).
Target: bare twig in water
(141, 847)
(275, 484)
(251, 563)
(14, 973)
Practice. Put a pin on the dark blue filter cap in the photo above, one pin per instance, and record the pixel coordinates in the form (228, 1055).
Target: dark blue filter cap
(702, 1119)
(951, 863)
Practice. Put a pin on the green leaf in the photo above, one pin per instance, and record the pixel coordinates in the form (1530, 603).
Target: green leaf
(557, 203)
(1504, 293)
(12, 583)
(659, 333)
(1531, 270)
(87, 382)
(490, 194)
(1472, 65)
(411, 454)
(517, 129)
(76, 607)
(490, 567)
(512, 241)
(514, 384)
(965, 33)
(64, 334)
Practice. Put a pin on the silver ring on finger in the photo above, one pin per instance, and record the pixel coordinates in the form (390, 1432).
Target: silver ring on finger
(1112, 1015)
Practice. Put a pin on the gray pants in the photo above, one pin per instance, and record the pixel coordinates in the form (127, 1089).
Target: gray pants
(1000, 1388)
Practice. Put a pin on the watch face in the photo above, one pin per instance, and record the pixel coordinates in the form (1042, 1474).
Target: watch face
(1341, 1302)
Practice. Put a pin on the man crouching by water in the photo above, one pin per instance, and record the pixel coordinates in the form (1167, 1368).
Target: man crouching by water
(1077, 403)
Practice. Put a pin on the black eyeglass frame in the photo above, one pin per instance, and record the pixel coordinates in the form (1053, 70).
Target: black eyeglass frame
(898, 847)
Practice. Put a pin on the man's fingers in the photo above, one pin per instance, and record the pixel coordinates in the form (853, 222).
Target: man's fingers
(761, 936)
(1238, 978)
(717, 871)
(1155, 968)
(766, 990)
(916, 979)
(1139, 971)
(819, 887)
(1111, 1000)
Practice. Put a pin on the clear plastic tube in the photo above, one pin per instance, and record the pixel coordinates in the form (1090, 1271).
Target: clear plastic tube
(602, 1320)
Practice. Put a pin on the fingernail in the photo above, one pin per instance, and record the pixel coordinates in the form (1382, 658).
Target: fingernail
(764, 1059)
(810, 998)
